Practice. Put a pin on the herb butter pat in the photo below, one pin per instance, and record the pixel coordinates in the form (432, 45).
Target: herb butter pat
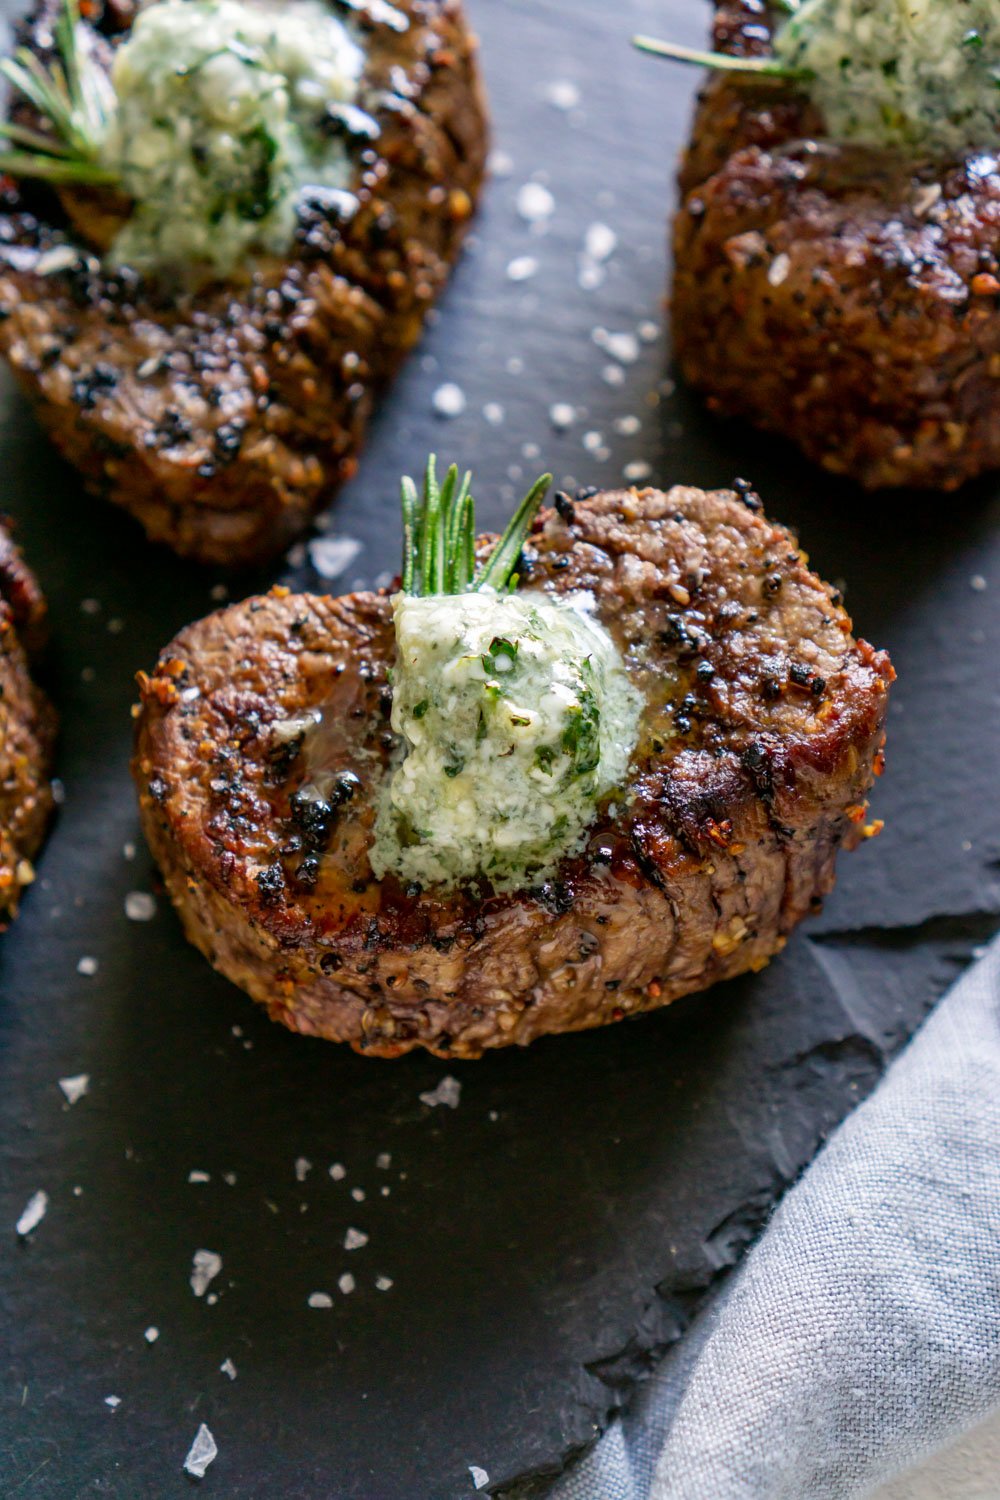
(225, 111)
(904, 72)
(516, 715)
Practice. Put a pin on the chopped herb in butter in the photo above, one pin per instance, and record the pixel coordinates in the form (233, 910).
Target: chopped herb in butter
(225, 110)
(919, 73)
(516, 715)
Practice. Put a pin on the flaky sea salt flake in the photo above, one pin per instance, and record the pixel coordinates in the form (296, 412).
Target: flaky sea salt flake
(448, 1091)
(449, 400)
(74, 1088)
(205, 1266)
(203, 1451)
(319, 1299)
(535, 203)
(354, 1239)
(34, 1212)
(522, 268)
(140, 906)
(563, 94)
(599, 242)
(333, 555)
(228, 1368)
(480, 1478)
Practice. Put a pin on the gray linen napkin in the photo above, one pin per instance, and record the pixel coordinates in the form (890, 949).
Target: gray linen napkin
(863, 1330)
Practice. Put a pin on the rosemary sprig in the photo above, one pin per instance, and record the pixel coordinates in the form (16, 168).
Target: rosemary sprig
(75, 99)
(439, 535)
(752, 67)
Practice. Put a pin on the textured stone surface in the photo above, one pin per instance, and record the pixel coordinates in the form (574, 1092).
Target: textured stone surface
(538, 1257)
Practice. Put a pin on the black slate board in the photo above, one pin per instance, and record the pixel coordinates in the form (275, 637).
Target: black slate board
(559, 1225)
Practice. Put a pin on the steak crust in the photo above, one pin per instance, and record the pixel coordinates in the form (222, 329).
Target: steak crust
(27, 729)
(845, 297)
(223, 420)
(762, 731)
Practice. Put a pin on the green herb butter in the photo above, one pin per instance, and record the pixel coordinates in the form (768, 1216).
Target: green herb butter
(915, 73)
(221, 120)
(516, 715)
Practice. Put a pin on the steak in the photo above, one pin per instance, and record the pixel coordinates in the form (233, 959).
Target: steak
(762, 731)
(222, 420)
(845, 297)
(27, 729)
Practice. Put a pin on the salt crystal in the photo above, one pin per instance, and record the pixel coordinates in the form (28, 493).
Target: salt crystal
(522, 268)
(613, 375)
(303, 1166)
(500, 164)
(590, 275)
(563, 94)
(779, 269)
(74, 1088)
(599, 242)
(494, 413)
(112, 1401)
(319, 1299)
(448, 1091)
(535, 203)
(197, 1176)
(229, 1177)
(624, 346)
(152, 1334)
(128, 851)
(637, 469)
(480, 1478)
(204, 1268)
(562, 415)
(87, 966)
(592, 441)
(90, 606)
(354, 1239)
(338, 1172)
(649, 332)
(383, 1283)
(202, 1452)
(384, 1191)
(977, 582)
(514, 365)
(332, 555)
(383, 1161)
(218, 592)
(629, 425)
(58, 791)
(347, 1283)
(449, 400)
(33, 1214)
(140, 906)
(228, 1368)
(358, 1194)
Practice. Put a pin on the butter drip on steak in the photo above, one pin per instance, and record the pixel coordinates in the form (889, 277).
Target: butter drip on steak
(761, 733)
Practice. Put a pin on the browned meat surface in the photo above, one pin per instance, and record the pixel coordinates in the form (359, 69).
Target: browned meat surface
(845, 298)
(27, 729)
(223, 420)
(762, 732)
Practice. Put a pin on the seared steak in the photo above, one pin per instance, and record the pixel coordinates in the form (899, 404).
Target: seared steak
(762, 732)
(27, 729)
(223, 420)
(845, 297)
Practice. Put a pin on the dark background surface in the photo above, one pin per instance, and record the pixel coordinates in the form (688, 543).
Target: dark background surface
(567, 1216)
